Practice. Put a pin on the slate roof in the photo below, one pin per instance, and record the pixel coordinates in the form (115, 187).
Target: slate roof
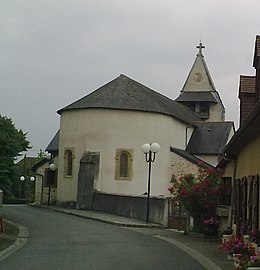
(54, 144)
(202, 90)
(186, 155)
(124, 93)
(27, 162)
(199, 66)
(196, 96)
(39, 164)
(209, 138)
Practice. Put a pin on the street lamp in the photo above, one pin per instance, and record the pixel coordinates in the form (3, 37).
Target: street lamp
(23, 180)
(52, 168)
(32, 178)
(150, 150)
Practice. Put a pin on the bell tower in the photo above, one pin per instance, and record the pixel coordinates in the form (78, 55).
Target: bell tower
(199, 92)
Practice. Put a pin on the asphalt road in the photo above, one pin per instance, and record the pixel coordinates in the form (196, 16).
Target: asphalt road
(61, 241)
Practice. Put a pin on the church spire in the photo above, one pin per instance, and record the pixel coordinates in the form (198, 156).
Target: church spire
(199, 92)
(199, 78)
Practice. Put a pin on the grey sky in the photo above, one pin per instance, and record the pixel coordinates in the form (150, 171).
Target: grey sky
(54, 52)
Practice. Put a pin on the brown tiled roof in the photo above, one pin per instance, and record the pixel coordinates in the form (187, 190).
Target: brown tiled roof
(247, 85)
(247, 132)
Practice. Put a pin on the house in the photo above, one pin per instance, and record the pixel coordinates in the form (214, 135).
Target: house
(24, 187)
(241, 160)
(98, 147)
(46, 182)
(46, 179)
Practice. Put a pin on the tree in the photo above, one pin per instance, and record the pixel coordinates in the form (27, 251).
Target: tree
(199, 194)
(12, 143)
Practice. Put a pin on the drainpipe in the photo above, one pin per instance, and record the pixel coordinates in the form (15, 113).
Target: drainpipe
(233, 192)
(186, 135)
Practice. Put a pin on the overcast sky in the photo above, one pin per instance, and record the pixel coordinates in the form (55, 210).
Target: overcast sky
(54, 52)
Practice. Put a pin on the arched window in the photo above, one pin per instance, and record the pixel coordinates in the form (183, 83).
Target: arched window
(68, 163)
(124, 163)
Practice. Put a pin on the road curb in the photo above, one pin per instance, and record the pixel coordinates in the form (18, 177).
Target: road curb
(19, 242)
(116, 223)
(203, 260)
(99, 219)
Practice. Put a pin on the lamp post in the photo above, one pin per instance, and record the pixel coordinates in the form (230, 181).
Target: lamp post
(52, 168)
(23, 180)
(150, 150)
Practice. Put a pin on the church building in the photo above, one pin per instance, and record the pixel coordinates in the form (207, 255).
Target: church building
(199, 92)
(98, 149)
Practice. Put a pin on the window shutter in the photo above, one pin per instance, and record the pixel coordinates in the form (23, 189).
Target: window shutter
(244, 201)
(50, 178)
(250, 201)
(255, 215)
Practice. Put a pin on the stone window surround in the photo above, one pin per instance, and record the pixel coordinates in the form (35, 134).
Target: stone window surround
(71, 149)
(129, 153)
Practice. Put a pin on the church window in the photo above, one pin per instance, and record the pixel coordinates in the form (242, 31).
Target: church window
(204, 110)
(68, 162)
(124, 163)
(191, 105)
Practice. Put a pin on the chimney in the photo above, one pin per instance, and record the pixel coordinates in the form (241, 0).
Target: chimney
(247, 96)
(256, 65)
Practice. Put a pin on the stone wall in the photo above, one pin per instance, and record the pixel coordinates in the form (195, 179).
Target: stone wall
(133, 206)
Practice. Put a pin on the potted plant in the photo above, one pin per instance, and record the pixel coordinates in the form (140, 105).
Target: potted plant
(210, 226)
(242, 252)
(228, 247)
(254, 236)
(227, 234)
(253, 263)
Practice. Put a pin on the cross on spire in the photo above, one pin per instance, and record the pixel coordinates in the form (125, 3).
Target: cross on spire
(200, 47)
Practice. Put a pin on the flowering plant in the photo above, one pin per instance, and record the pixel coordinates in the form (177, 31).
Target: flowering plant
(210, 221)
(198, 193)
(228, 245)
(254, 261)
(236, 245)
(227, 231)
(255, 236)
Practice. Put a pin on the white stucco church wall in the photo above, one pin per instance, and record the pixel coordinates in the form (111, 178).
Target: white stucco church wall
(105, 131)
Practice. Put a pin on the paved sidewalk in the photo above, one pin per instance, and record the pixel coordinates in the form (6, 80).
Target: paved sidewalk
(102, 217)
(205, 251)
(17, 239)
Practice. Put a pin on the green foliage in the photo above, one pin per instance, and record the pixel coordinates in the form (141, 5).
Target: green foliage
(198, 193)
(41, 154)
(12, 143)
